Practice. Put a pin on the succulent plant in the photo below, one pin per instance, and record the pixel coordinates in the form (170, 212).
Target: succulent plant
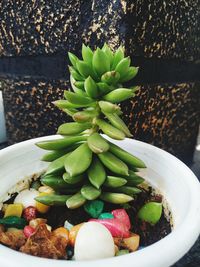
(84, 165)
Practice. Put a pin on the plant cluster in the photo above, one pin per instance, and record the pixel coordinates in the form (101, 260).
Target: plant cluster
(85, 165)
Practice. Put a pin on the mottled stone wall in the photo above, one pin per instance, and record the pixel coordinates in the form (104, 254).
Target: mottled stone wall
(166, 116)
(164, 29)
(32, 27)
(29, 109)
(106, 22)
(162, 37)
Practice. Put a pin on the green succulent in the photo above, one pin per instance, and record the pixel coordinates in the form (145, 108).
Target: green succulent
(84, 165)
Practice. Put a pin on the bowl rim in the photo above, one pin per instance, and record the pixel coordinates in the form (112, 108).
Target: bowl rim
(189, 227)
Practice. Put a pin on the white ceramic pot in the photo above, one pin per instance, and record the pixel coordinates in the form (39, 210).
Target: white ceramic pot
(175, 180)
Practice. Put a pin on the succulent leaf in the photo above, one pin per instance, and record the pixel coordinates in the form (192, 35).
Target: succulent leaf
(75, 74)
(123, 66)
(110, 77)
(130, 74)
(87, 54)
(119, 95)
(91, 88)
(108, 52)
(118, 56)
(104, 88)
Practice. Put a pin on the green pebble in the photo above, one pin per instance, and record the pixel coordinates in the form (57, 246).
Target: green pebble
(13, 222)
(122, 252)
(150, 212)
(106, 215)
(94, 208)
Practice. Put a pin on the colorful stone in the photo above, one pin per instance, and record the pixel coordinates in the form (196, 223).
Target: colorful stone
(94, 208)
(106, 215)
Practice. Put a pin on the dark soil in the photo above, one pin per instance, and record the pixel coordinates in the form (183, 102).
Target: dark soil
(149, 234)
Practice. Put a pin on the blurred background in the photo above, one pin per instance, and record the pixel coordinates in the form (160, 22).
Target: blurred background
(162, 38)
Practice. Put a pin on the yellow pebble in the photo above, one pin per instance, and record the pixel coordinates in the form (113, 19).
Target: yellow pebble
(73, 233)
(41, 207)
(4, 207)
(116, 249)
(13, 210)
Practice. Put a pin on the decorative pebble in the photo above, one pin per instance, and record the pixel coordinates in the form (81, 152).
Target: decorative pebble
(106, 215)
(117, 222)
(122, 215)
(13, 210)
(73, 233)
(27, 197)
(30, 213)
(115, 226)
(28, 231)
(93, 242)
(68, 225)
(70, 252)
(122, 252)
(150, 212)
(94, 208)
(131, 243)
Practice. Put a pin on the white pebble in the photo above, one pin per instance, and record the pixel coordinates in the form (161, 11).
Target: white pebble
(93, 241)
(68, 225)
(26, 197)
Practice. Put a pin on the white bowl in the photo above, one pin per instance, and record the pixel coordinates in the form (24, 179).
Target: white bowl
(174, 179)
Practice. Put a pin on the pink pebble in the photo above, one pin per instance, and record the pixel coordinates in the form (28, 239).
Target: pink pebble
(122, 215)
(115, 226)
(28, 231)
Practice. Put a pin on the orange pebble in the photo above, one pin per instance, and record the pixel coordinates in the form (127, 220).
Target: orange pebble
(61, 231)
(73, 233)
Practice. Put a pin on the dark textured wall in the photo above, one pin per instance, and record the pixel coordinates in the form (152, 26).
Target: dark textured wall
(29, 109)
(165, 29)
(32, 27)
(162, 38)
(167, 116)
(164, 115)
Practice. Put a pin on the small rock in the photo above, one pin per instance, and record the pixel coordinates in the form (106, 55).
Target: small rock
(122, 252)
(94, 208)
(68, 225)
(106, 215)
(93, 242)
